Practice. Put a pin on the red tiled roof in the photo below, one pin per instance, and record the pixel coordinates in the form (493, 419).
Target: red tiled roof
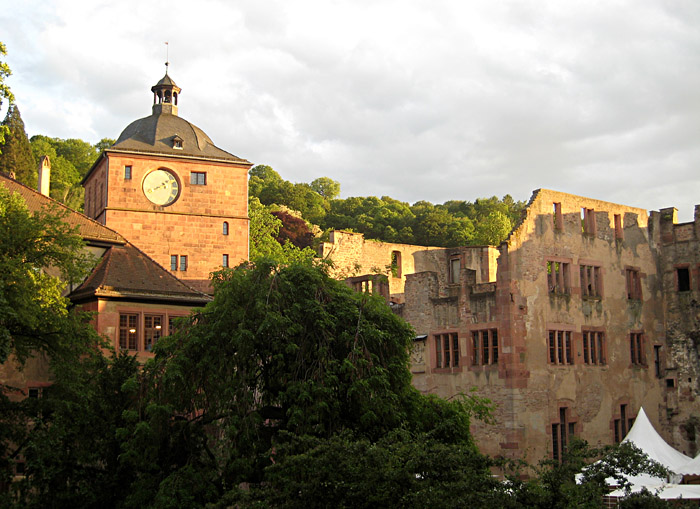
(127, 272)
(89, 229)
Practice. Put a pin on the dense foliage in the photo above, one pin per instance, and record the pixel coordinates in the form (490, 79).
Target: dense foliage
(5, 92)
(454, 223)
(33, 313)
(15, 153)
(35, 321)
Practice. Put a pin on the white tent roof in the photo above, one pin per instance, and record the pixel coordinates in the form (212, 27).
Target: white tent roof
(644, 436)
(665, 491)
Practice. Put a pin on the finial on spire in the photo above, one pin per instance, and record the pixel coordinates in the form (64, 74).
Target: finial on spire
(167, 57)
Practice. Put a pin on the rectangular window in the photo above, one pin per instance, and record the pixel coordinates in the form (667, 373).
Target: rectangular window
(447, 350)
(198, 178)
(455, 267)
(152, 329)
(562, 432)
(560, 347)
(484, 347)
(594, 348)
(224, 262)
(558, 219)
(396, 263)
(183, 262)
(657, 361)
(128, 331)
(127, 172)
(634, 284)
(683, 278)
(618, 227)
(622, 425)
(591, 283)
(172, 328)
(588, 221)
(637, 356)
(173, 262)
(558, 280)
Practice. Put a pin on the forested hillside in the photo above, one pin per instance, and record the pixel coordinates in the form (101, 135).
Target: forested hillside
(453, 223)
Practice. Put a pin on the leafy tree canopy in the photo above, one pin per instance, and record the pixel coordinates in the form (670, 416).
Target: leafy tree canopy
(454, 223)
(5, 92)
(33, 314)
(15, 153)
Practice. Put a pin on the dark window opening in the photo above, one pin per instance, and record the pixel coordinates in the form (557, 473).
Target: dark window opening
(447, 350)
(558, 219)
(560, 348)
(484, 347)
(173, 262)
(224, 262)
(558, 280)
(562, 432)
(593, 348)
(183, 262)
(225, 228)
(634, 284)
(618, 227)
(127, 172)
(637, 356)
(683, 279)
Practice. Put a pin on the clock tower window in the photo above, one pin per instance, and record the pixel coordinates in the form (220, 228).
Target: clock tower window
(198, 178)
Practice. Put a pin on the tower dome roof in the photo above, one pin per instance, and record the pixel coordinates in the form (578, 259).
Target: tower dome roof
(164, 132)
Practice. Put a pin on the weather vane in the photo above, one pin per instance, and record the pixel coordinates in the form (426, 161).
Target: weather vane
(167, 57)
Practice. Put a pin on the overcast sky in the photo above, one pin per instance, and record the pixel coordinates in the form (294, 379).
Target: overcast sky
(418, 100)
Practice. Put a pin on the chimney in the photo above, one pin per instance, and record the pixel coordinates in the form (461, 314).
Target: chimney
(44, 175)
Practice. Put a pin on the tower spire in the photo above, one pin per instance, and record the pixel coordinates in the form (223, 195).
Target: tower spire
(167, 57)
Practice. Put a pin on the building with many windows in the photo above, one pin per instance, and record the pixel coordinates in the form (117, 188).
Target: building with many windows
(586, 313)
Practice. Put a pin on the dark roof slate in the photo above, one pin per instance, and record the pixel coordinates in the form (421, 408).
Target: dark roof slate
(154, 134)
(89, 229)
(127, 272)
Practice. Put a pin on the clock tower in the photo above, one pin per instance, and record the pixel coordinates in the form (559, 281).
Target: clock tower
(172, 193)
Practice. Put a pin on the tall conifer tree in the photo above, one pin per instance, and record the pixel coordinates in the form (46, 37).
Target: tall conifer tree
(16, 153)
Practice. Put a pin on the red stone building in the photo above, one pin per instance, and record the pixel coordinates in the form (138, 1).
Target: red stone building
(171, 192)
(586, 313)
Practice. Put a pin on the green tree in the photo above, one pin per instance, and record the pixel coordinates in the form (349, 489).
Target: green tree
(326, 187)
(103, 144)
(65, 177)
(580, 479)
(492, 230)
(16, 153)
(33, 313)
(34, 317)
(284, 359)
(72, 453)
(5, 92)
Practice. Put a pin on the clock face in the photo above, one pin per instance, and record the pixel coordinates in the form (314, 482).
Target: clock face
(161, 187)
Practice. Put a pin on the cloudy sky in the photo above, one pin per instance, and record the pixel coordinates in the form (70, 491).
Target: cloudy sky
(418, 100)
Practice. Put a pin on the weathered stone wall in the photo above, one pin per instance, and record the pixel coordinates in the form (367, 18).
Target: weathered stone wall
(678, 247)
(593, 393)
(353, 255)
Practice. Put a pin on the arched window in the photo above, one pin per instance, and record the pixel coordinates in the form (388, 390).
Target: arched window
(225, 227)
